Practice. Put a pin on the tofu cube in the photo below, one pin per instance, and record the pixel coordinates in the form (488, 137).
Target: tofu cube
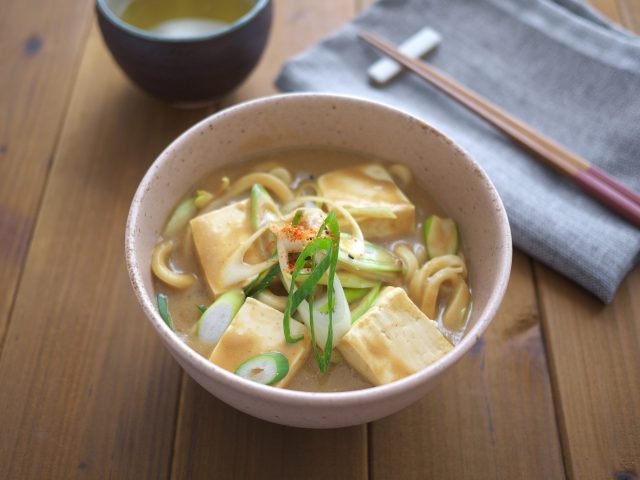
(393, 339)
(217, 235)
(366, 186)
(256, 329)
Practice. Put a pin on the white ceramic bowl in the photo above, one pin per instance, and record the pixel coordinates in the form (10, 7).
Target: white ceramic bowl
(457, 183)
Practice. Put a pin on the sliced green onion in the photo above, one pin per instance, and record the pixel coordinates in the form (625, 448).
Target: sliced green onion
(354, 294)
(296, 296)
(365, 303)
(440, 236)
(184, 212)
(374, 258)
(296, 217)
(254, 283)
(262, 281)
(347, 280)
(163, 310)
(351, 294)
(320, 309)
(201, 308)
(215, 320)
(334, 231)
(203, 198)
(266, 368)
(351, 280)
(323, 252)
(263, 208)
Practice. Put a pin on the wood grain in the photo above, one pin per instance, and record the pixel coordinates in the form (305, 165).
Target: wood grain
(629, 14)
(594, 358)
(492, 417)
(88, 391)
(296, 26)
(245, 447)
(594, 353)
(39, 52)
(217, 441)
(87, 388)
(609, 8)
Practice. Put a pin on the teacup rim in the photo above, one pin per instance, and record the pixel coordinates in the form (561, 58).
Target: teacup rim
(295, 397)
(113, 18)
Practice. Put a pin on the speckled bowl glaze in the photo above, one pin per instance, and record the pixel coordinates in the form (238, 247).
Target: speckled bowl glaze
(457, 183)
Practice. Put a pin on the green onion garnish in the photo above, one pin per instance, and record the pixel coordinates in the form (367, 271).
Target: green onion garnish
(334, 230)
(351, 294)
(263, 208)
(203, 198)
(184, 212)
(262, 281)
(163, 309)
(254, 283)
(328, 241)
(215, 319)
(365, 303)
(440, 236)
(201, 308)
(266, 368)
(354, 294)
(296, 296)
(375, 259)
(296, 218)
(330, 223)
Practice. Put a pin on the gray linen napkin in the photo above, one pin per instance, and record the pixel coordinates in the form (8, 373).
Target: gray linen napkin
(557, 65)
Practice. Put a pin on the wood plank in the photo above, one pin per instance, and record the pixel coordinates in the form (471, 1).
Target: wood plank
(214, 440)
(88, 389)
(217, 441)
(296, 26)
(609, 8)
(491, 417)
(629, 14)
(594, 357)
(39, 52)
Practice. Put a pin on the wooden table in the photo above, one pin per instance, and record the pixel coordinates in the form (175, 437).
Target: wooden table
(88, 390)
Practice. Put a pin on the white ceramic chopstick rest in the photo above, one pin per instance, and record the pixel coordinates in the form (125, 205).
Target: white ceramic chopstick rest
(415, 46)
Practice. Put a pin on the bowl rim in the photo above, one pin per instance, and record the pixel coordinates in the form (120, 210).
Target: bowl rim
(113, 18)
(318, 399)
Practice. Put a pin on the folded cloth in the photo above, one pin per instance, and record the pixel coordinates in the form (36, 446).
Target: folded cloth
(560, 67)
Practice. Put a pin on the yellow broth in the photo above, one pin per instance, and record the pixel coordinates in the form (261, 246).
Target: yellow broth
(303, 164)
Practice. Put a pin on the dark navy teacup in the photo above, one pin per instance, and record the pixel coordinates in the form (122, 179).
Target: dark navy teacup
(189, 70)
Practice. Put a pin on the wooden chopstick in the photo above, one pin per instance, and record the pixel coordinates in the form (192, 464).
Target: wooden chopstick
(592, 179)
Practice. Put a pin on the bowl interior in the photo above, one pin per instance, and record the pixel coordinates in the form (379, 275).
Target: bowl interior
(321, 120)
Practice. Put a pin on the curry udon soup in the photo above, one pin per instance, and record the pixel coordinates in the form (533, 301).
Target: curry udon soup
(314, 270)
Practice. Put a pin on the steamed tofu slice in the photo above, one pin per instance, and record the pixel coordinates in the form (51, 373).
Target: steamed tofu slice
(393, 339)
(256, 329)
(216, 236)
(366, 186)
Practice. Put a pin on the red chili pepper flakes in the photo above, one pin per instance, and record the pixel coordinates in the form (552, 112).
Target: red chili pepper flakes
(298, 233)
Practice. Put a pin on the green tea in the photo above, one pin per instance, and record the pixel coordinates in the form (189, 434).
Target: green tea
(184, 18)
